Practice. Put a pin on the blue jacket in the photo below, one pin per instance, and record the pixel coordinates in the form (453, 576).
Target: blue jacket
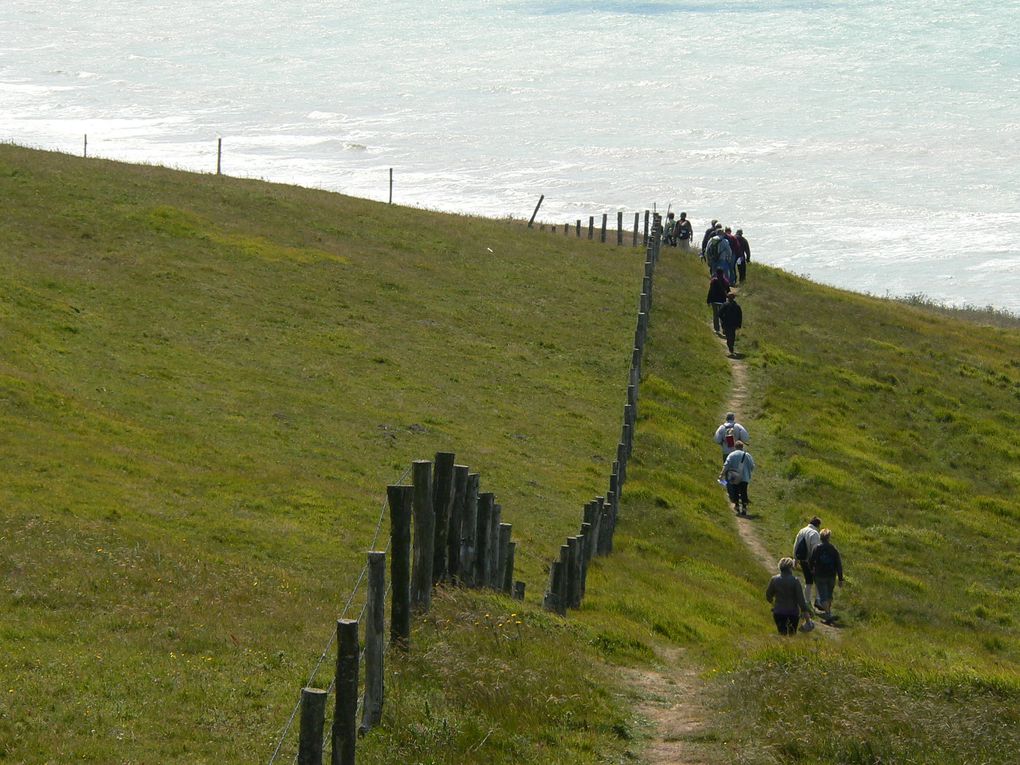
(741, 462)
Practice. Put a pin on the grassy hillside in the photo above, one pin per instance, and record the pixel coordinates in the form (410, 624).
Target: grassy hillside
(207, 383)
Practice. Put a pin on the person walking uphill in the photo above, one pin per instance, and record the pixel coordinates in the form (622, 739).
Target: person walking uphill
(787, 598)
(731, 317)
(684, 231)
(826, 567)
(737, 470)
(727, 435)
(805, 543)
(718, 288)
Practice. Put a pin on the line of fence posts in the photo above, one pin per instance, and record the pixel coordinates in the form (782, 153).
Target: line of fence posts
(458, 539)
(568, 574)
(578, 227)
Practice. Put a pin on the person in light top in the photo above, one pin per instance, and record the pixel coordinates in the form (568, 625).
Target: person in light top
(727, 434)
(805, 543)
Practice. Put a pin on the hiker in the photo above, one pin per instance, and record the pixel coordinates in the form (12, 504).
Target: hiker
(787, 598)
(718, 288)
(684, 232)
(805, 543)
(669, 231)
(714, 252)
(731, 317)
(727, 435)
(745, 256)
(709, 233)
(734, 248)
(826, 567)
(736, 472)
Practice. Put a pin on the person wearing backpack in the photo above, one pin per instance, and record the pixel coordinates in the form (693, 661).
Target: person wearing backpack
(709, 233)
(827, 568)
(787, 598)
(718, 288)
(731, 317)
(684, 231)
(737, 470)
(805, 543)
(669, 231)
(727, 435)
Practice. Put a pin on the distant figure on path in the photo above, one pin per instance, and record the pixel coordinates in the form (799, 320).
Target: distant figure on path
(669, 231)
(718, 288)
(787, 598)
(737, 470)
(745, 256)
(826, 567)
(713, 252)
(709, 232)
(684, 231)
(731, 317)
(805, 543)
(734, 247)
(729, 433)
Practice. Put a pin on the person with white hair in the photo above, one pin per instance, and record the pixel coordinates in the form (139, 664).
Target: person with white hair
(727, 434)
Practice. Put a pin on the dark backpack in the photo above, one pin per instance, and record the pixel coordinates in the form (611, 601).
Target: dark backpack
(800, 551)
(712, 251)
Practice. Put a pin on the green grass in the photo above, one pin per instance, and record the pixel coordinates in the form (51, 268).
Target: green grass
(207, 384)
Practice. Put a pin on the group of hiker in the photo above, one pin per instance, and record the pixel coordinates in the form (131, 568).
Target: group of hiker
(813, 552)
(722, 248)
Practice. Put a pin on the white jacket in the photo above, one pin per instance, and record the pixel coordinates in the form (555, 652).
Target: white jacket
(739, 434)
(813, 540)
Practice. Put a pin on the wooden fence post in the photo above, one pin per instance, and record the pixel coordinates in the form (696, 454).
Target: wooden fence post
(518, 590)
(532, 221)
(469, 531)
(578, 228)
(508, 568)
(313, 722)
(503, 553)
(219, 155)
(442, 500)
(486, 506)
(605, 218)
(344, 722)
(551, 601)
(375, 628)
(391, 185)
(424, 536)
(646, 229)
(619, 227)
(573, 574)
(492, 548)
(85, 147)
(637, 222)
(584, 538)
(400, 499)
(455, 539)
(591, 227)
(564, 583)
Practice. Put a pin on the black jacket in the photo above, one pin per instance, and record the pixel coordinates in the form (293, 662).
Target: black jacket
(730, 315)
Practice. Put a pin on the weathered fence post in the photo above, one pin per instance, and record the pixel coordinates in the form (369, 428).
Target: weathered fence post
(424, 536)
(646, 229)
(564, 583)
(469, 531)
(400, 498)
(375, 628)
(637, 222)
(454, 541)
(573, 574)
(619, 227)
(313, 722)
(442, 500)
(578, 228)
(344, 722)
(585, 540)
(85, 147)
(605, 218)
(492, 548)
(508, 568)
(503, 553)
(518, 589)
(551, 601)
(591, 227)
(219, 154)
(486, 506)
(530, 222)
(391, 185)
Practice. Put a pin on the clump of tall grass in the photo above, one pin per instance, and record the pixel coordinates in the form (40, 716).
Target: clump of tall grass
(987, 315)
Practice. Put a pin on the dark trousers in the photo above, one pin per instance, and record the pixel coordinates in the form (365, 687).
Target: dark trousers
(731, 337)
(738, 493)
(715, 315)
(786, 623)
(742, 271)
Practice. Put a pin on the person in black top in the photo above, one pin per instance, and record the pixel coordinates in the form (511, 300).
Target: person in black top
(731, 317)
(717, 291)
(826, 567)
(684, 232)
(709, 232)
(745, 256)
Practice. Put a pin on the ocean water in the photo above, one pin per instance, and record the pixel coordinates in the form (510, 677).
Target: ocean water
(873, 145)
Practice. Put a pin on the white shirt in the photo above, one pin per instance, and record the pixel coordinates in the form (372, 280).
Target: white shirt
(739, 434)
(813, 539)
